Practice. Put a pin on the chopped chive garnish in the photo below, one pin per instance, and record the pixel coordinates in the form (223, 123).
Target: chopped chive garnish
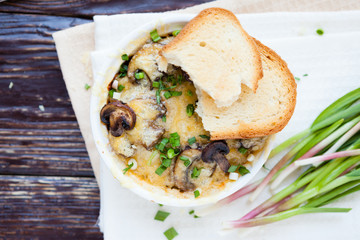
(166, 163)
(191, 212)
(156, 84)
(243, 170)
(161, 205)
(191, 140)
(305, 75)
(175, 93)
(242, 150)
(162, 144)
(111, 93)
(297, 78)
(128, 168)
(174, 140)
(160, 170)
(320, 31)
(125, 57)
(175, 33)
(167, 95)
(171, 153)
(185, 160)
(139, 75)
(196, 216)
(164, 118)
(196, 193)
(121, 87)
(233, 168)
(155, 36)
(170, 233)
(205, 137)
(196, 172)
(158, 97)
(190, 110)
(161, 215)
(87, 86)
(189, 93)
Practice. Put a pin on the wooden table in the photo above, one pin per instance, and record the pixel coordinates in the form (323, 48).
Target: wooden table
(47, 187)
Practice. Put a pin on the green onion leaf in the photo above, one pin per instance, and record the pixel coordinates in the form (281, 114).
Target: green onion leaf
(320, 31)
(167, 95)
(175, 33)
(233, 168)
(87, 86)
(196, 193)
(196, 172)
(185, 160)
(191, 212)
(190, 110)
(196, 216)
(158, 97)
(166, 162)
(161, 215)
(305, 75)
(125, 57)
(191, 140)
(175, 93)
(189, 93)
(161, 205)
(127, 168)
(155, 36)
(156, 84)
(243, 170)
(160, 170)
(297, 79)
(164, 118)
(205, 137)
(170, 233)
(111, 93)
(242, 150)
(121, 87)
(171, 153)
(139, 75)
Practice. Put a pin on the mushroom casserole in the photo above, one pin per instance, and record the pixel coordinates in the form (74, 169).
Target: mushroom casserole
(155, 131)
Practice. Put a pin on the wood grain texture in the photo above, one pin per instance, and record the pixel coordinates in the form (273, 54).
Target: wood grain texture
(48, 208)
(88, 8)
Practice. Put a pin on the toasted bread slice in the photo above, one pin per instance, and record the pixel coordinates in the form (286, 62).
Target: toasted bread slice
(217, 54)
(254, 114)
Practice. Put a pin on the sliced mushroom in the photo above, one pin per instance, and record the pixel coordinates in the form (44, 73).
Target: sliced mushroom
(118, 117)
(215, 152)
(182, 173)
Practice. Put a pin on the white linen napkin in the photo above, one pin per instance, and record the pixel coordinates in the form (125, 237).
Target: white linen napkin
(332, 62)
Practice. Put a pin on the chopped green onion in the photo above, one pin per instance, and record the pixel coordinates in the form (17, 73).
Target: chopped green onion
(164, 118)
(158, 97)
(191, 212)
(127, 168)
(297, 79)
(171, 153)
(243, 170)
(196, 172)
(170, 233)
(155, 36)
(121, 87)
(196, 216)
(242, 150)
(205, 137)
(160, 170)
(305, 75)
(196, 193)
(185, 160)
(175, 33)
(191, 140)
(125, 57)
(174, 139)
(179, 78)
(87, 86)
(175, 93)
(161, 215)
(162, 144)
(320, 31)
(233, 168)
(189, 93)
(156, 84)
(166, 162)
(167, 95)
(190, 110)
(153, 154)
(139, 75)
(111, 93)
(161, 205)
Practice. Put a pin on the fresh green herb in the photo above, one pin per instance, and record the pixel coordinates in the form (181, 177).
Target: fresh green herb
(87, 86)
(123, 69)
(161, 215)
(129, 166)
(156, 84)
(320, 31)
(139, 75)
(243, 170)
(111, 93)
(297, 79)
(175, 33)
(125, 57)
(191, 212)
(205, 137)
(179, 79)
(161, 205)
(164, 118)
(170, 233)
(121, 87)
(196, 193)
(171, 153)
(175, 93)
(196, 172)
(160, 170)
(190, 110)
(189, 93)
(158, 97)
(233, 168)
(155, 36)
(175, 140)
(196, 216)
(162, 144)
(191, 140)
(242, 150)
(186, 161)
(166, 162)
(305, 75)
(167, 95)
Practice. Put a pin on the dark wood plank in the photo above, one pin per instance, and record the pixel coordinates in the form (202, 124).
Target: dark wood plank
(89, 8)
(48, 208)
